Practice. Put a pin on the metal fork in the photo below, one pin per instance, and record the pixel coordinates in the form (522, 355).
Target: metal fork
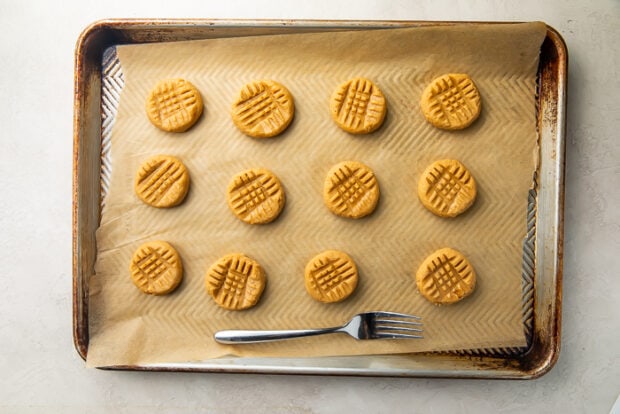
(368, 325)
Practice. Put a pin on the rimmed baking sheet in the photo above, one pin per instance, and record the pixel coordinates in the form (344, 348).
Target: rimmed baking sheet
(112, 79)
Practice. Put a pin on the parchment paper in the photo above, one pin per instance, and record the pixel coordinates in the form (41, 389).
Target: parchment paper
(129, 327)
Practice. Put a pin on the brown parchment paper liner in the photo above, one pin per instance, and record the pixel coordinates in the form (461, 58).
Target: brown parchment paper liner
(128, 327)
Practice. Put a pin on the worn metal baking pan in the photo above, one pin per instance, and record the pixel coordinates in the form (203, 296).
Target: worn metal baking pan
(545, 298)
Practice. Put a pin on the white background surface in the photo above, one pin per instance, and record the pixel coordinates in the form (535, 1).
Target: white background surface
(41, 372)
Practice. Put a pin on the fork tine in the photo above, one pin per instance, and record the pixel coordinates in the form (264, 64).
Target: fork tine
(397, 328)
(397, 336)
(397, 322)
(393, 325)
(382, 314)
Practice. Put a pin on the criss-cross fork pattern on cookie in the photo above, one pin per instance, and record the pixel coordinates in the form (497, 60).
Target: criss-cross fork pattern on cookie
(157, 179)
(174, 105)
(445, 277)
(235, 282)
(453, 101)
(358, 106)
(445, 185)
(329, 276)
(155, 268)
(447, 188)
(264, 109)
(351, 189)
(255, 196)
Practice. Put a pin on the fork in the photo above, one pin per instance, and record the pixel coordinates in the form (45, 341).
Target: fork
(368, 325)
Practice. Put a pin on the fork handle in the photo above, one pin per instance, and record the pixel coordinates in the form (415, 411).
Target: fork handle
(254, 336)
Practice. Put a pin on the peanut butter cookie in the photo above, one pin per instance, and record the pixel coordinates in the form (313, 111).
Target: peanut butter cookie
(358, 106)
(331, 276)
(451, 102)
(156, 268)
(256, 196)
(445, 277)
(447, 188)
(174, 105)
(162, 181)
(263, 109)
(351, 190)
(235, 282)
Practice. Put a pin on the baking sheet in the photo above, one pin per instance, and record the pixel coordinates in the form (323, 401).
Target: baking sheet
(383, 147)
